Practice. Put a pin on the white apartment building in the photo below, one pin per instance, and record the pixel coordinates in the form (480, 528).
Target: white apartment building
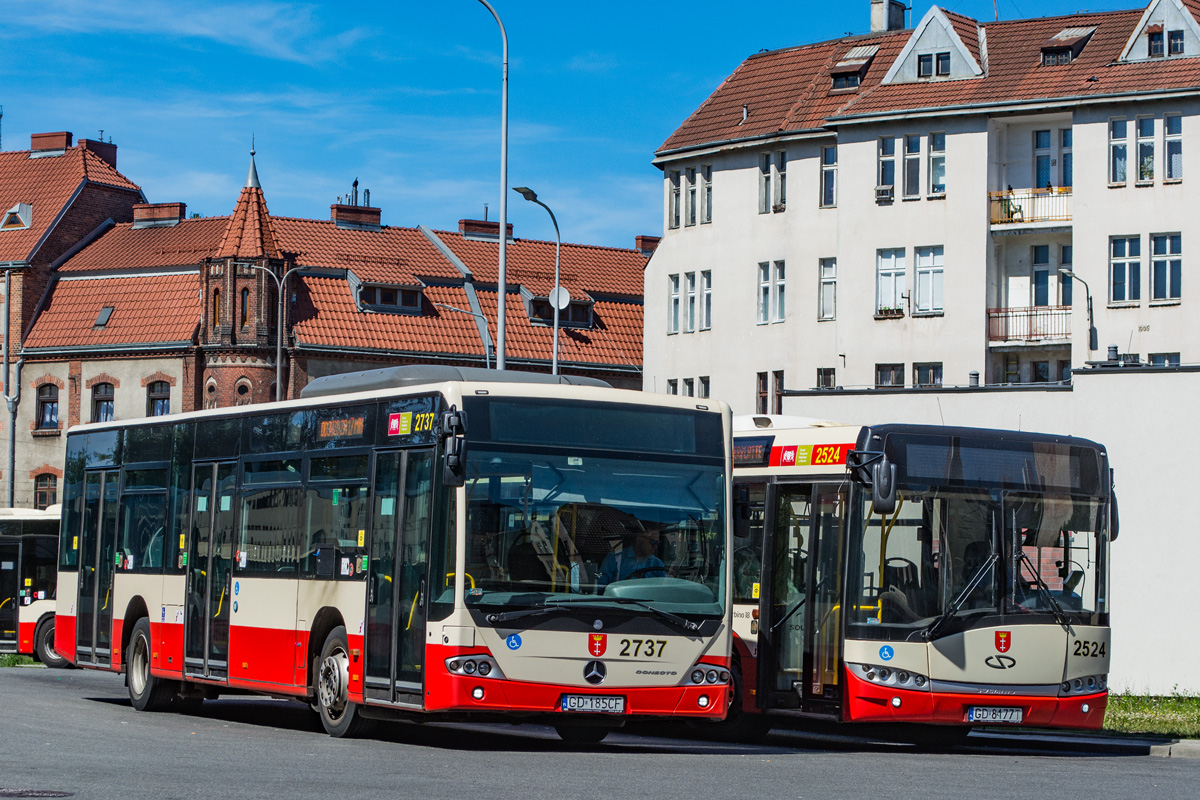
(946, 205)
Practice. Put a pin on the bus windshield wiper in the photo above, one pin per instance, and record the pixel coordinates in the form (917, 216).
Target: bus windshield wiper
(1060, 616)
(541, 608)
(932, 631)
(674, 619)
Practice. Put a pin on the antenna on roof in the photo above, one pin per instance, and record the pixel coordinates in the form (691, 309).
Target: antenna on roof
(1, 132)
(996, 9)
(485, 212)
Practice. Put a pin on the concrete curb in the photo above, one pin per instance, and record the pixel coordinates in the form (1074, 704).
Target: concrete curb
(1082, 743)
(1184, 748)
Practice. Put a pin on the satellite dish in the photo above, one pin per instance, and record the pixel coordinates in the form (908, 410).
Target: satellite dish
(560, 298)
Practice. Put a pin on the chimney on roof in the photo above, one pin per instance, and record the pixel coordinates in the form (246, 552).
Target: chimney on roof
(43, 142)
(887, 15)
(157, 215)
(107, 151)
(355, 217)
(646, 245)
(482, 229)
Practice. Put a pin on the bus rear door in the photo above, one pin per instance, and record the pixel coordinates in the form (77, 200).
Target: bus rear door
(400, 528)
(97, 567)
(9, 583)
(209, 566)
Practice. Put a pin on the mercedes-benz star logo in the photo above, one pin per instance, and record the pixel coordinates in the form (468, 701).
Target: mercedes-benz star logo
(1001, 662)
(595, 672)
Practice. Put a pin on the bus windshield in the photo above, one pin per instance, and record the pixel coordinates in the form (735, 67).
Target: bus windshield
(550, 528)
(946, 558)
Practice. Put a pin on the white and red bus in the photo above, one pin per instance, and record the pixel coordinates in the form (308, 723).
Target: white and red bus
(929, 575)
(561, 558)
(28, 564)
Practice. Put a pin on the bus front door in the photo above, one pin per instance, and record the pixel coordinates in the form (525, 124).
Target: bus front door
(209, 566)
(400, 528)
(9, 581)
(97, 568)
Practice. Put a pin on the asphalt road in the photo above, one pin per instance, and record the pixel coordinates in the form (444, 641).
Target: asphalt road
(74, 732)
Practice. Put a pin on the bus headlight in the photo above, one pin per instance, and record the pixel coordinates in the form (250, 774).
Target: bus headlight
(698, 676)
(888, 676)
(479, 666)
(706, 675)
(1088, 684)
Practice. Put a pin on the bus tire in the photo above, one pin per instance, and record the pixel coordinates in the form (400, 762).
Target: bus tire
(581, 734)
(740, 725)
(43, 646)
(339, 716)
(146, 692)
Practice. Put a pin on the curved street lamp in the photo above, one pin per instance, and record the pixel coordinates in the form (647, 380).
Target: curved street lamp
(1093, 337)
(487, 346)
(279, 284)
(501, 276)
(555, 296)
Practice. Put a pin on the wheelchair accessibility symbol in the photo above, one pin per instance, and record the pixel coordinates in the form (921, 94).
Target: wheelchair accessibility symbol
(887, 653)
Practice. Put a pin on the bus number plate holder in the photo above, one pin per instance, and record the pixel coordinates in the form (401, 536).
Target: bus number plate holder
(988, 715)
(593, 704)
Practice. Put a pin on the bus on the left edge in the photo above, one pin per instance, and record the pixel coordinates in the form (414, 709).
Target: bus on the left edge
(420, 542)
(28, 558)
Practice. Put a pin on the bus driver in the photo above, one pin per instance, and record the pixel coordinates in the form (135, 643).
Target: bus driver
(635, 559)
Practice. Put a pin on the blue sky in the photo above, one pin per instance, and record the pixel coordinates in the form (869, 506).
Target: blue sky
(405, 96)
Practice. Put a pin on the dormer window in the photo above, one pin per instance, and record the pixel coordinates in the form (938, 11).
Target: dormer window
(1055, 57)
(1155, 38)
(578, 314)
(848, 71)
(1175, 43)
(931, 64)
(849, 81)
(18, 217)
(394, 299)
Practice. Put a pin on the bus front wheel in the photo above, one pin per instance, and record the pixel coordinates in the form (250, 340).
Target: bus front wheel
(339, 716)
(43, 645)
(146, 692)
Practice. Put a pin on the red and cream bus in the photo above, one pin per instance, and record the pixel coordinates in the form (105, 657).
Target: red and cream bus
(919, 574)
(28, 562)
(561, 558)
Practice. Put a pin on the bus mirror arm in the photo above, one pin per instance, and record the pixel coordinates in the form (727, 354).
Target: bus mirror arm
(452, 431)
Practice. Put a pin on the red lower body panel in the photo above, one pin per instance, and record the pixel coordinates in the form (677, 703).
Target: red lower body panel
(868, 702)
(64, 636)
(25, 631)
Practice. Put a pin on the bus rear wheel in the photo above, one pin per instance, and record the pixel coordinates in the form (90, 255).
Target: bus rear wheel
(339, 716)
(146, 692)
(581, 734)
(43, 646)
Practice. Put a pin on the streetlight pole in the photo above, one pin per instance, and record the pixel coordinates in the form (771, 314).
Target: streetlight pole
(502, 277)
(531, 196)
(487, 346)
(1093, 337)
(279, 284)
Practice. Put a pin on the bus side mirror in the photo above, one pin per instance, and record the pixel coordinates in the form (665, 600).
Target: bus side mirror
(1114, 521)
(452, 430)
(883, 486)
(741, 511)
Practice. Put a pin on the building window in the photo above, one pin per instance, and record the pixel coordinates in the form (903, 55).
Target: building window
(1145, 148)
(827, 298)
(847, 80)
(1166, 266)
(1118, 132)
(1155, 39)
(1041, 160)
(1164, 359)
(705, 194)
(764, 183)
(912, 165)
(1041, 275)
(1066, 161)
(216, 315)
(925, 65)
(1066, 286)
(887, 161)
(1175, 43)
(1054, 56)
(937, 163)
(1173, 138)
(102, 402)
(158, 399)
(779, 306)
(826, 377)
(764, 292)
(1064, 370)
(703, 386)
(777, 392)
(772, 299)
(890, 284)
(1012, 369)
(929, 278)
(705, 300)
(672, 304)
(781, 181)
(1125, 269)
(45, 491)
(889, 375)
(943, 64)
(690, 209)
(1040, 371)
(829, 176)
(47, 407)
(689, 387)
(672, 386)
(689, 308)
(762, 398)
(245, 307)
(673, 199)
(926, 375)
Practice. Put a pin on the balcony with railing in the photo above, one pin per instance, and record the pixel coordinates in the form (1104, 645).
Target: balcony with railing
(1019, 207)
(1036, 324)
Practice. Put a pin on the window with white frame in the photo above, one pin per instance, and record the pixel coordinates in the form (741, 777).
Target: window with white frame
(1041, 275)
(764, 292)
(689, 305)
(890, 283)
(705, 300)
(705, 194)
(689, 212)
(912, 165)
(1066, 285)
(1145, 149)
(778, 292)
(827, 297)
(672, 304)
(1066, 159)
(1166, 265)
(1118, 134)
(673, 198)
(937, 163)
(780, 180)
(1173, 141)
(1041, 159)
(772, 299)
(1125, 269)
(764, 183)
(929, 278)
(829, 176)
(887, 161)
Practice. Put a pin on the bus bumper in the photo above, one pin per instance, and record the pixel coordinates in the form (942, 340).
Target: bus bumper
(867, 702)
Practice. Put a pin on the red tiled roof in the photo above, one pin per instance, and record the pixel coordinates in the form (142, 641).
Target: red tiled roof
(147, 309)
(249, 234)
(388, 255)
(530, 262)
(125, 248)
(791, 90)
(47, 184)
